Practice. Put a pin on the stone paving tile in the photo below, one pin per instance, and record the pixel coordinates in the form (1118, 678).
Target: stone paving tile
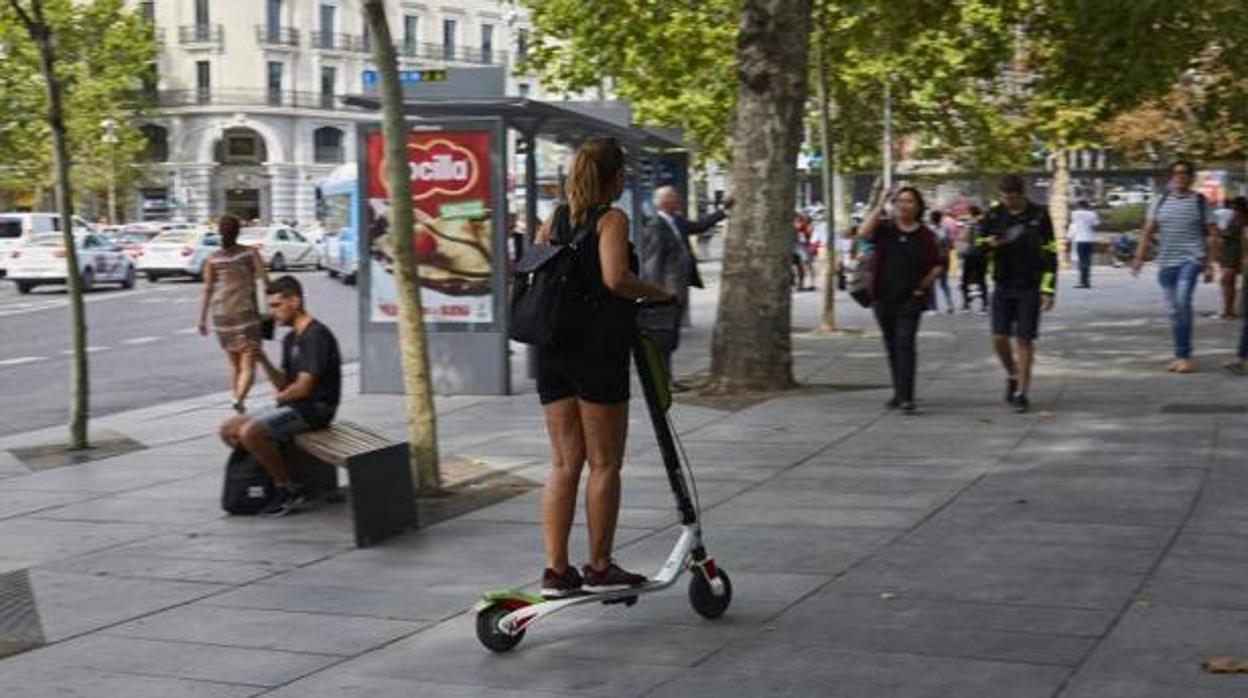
(342, 685)
(1081, 687)
(740, 513)
(47, 540)
(21, 502)
(1164, 645)
(70, 604)
(184, 660)
(123, 508)
(84, 683)
(128, 565)
(270, 630)
(413, 604)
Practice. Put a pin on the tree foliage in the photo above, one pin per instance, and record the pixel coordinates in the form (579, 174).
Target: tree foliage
(103, 50)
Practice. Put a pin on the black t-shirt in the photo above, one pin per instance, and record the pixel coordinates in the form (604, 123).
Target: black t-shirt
(1027, 256)
(315, 351)
(902, 265)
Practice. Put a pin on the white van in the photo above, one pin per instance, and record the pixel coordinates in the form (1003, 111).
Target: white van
(17, 229)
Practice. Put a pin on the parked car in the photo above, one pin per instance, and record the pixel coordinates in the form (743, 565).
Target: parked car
(177, 253)
(42, 261)
(281, 247)
(17, 229)
(131, 241)
(341, 255)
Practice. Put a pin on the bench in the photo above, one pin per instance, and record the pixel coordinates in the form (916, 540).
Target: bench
(382, 497)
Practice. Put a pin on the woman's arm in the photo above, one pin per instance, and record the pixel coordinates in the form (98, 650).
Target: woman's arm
(613, 254)
(261, 271)
(210, 282)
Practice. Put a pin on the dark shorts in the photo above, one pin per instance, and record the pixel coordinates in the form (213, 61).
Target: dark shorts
(282, 422)
(598, 379)
(1016, 313)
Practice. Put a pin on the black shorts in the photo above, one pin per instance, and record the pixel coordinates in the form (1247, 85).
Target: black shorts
(1016, 313)
(598, 379)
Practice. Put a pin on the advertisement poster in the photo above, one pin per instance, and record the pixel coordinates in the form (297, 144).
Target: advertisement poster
(450, 190)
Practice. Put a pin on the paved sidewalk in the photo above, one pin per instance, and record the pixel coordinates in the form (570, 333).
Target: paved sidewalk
(1094, 548)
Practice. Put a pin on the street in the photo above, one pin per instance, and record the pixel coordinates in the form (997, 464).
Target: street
(142, 343)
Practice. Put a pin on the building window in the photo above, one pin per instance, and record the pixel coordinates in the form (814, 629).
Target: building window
(156, 143)
(450, 28)
(203, 81)
(328, 145)
(273, 21)
(524, 89)
(275, 82)
(327, 25)
(522, 43)
(487, 43)
(147, 10)
(201, 13)
(329, 80)
(411, 34)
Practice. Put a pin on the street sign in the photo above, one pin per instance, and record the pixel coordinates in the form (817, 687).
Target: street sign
(370, 77)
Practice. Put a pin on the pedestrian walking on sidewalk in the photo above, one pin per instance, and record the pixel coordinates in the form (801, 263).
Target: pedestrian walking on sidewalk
(308, 387)
(230, 276)
(1180, 225)
(974, 258)
(1081, 235)
(1239, 227)
(1230, 255)
(906, 262)
(1024, 262)
(583, 384)
(944, 240)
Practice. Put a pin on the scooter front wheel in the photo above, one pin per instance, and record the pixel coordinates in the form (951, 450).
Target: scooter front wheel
(703, 598)
(489, 632)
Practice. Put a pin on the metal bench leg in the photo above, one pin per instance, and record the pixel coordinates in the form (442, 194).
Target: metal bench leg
(382, 497)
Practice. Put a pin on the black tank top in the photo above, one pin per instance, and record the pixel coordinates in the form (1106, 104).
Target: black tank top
(612, 320)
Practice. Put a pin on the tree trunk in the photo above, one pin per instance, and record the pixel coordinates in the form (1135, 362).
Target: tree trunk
(751, 349)
(413, 351)
(1059, 207)
(79, 386)
(831, 260)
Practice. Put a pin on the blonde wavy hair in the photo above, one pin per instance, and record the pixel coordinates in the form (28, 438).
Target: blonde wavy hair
(592, 176)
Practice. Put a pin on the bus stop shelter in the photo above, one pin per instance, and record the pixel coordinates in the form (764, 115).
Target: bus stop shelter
(474, 360)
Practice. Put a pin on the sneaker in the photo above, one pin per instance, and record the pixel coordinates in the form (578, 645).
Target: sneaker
(1011, 391)
(892, 404)
(238, 406)
(558, 586)
(909, 408)
(1021, 403)
(611, 579)
(1235, 368)
(288, 501)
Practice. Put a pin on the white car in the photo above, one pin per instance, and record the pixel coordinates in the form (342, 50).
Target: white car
(281, 247)
(42, 262)
(177, 253)
(17, 229)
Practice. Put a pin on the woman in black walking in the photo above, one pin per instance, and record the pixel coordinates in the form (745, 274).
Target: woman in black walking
(907, 260)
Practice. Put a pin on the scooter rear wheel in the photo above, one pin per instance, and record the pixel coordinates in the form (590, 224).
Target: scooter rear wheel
(489, 632)
(703, 599)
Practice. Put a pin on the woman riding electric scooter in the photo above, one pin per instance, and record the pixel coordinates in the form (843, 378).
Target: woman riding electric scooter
(584, 387)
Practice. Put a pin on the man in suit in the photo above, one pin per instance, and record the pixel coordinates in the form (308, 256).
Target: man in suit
(667, 259)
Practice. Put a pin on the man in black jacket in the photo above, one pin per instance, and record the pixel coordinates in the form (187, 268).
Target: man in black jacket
(667, 259)
(1023, 249)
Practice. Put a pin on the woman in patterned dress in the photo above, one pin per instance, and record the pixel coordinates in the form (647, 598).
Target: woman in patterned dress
(230, 276)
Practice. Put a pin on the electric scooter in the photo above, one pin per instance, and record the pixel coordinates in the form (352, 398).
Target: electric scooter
(504, 615)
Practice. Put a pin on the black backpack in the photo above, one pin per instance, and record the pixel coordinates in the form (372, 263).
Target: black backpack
(549, 299)
(248, 488)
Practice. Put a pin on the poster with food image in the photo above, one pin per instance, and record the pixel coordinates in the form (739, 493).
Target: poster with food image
(450, 186)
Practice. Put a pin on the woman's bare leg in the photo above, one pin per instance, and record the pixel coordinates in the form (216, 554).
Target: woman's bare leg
(246, 376)
(567, 448)
(235, 360)
(606, 429)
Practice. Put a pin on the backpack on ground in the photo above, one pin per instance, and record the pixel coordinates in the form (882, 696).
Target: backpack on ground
(248, 487)
(549, 303)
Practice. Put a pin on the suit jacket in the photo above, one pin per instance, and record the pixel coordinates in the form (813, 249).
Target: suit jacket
(688, 229)
(665, 258)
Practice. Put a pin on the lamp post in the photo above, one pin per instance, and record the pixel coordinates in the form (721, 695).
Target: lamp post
(110, 139)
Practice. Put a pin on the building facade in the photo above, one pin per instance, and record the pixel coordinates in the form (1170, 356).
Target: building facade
(251, 93)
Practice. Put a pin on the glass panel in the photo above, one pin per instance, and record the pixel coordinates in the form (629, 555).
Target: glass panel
(201, 13)
(273, 17)
(327, 26)
(411, 33)
(487, 43)
(449, 27)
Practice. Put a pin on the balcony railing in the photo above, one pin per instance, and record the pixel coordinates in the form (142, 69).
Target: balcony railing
(331, 41)
(329, 154)
(268, 35)
(169, 99)
(451, 52)
(201, 34)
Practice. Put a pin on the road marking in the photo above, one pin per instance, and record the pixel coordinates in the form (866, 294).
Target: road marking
(22, 360)
(90, 350)
(142, 340)
(188, 330)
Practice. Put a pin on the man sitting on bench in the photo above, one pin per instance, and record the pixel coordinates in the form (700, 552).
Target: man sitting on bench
(308, 384)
